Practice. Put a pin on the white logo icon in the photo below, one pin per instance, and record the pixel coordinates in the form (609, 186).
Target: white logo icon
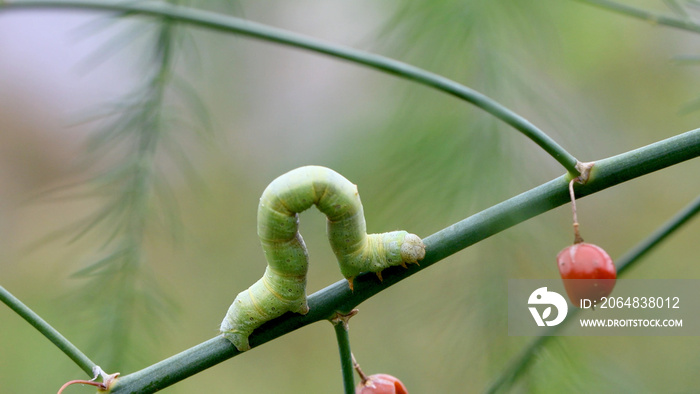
(543, 297)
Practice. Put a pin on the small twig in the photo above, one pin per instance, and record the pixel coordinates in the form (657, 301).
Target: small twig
(356, 365)
(105, 384)
(48, 331)
(99, 385)
(584, 170)
(340, 323)
(639, 13)
(577, 235)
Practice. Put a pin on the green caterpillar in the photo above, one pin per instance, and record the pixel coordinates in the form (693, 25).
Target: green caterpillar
(283, 286)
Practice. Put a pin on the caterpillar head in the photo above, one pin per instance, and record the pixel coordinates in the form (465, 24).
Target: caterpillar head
(412, 249)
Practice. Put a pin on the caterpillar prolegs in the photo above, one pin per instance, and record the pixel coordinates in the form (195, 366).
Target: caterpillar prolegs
(283, 286)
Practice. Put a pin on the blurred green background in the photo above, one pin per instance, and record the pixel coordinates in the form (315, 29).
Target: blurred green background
(598, 83)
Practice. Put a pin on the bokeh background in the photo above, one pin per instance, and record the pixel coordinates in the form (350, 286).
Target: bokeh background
(599, 83)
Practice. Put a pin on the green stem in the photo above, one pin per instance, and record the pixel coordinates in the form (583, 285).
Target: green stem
(255, 30)
(340, 324)
(49, 332)
(642, 248)
(521, 363)
(683, 24)
(338, 297)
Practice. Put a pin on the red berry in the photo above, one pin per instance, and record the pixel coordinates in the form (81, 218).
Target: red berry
(586, 261)
(381, 384)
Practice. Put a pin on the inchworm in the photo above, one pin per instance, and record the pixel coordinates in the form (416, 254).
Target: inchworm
(283, 286)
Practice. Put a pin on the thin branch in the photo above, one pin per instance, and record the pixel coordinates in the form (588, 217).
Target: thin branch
(337, 298)
(259, 31)
(641, 249)
(521, 363)
(340, 324)
(654, 18)
(49, 332)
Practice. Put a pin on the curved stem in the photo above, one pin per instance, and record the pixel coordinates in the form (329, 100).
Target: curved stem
(255, 30)
(49, 332)
(338, 297)
(521, 363)
(99, 385)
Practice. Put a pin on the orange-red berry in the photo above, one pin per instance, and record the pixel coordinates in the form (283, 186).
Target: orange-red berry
(590, 262)
(381, 384)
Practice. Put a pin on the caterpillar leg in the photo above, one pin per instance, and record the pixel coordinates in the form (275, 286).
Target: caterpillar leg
(350, 280)
(239, 322)
(260, 303)
(383, 251)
